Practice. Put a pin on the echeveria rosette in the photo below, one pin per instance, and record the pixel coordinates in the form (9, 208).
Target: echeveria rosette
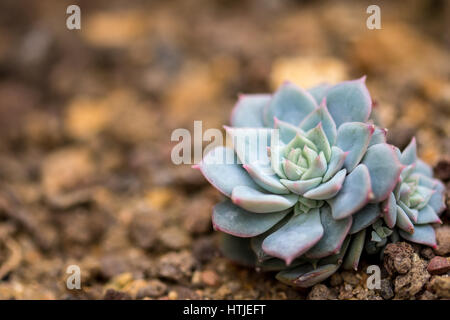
(317, 146)
(409, 212)
(304, 169)
(417, 200)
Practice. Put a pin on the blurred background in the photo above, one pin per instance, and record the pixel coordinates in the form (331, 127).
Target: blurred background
(86, 117)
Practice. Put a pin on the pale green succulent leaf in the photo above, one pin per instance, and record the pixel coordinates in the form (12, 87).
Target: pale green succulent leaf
(423, 234)
(424, 168)
(378, 136)
(375, 237)
(276, 156)
(354, 138)
(437, 200)
(365, 217)
(389, 209)
(409, 155)
(335, 232)
(354, 194)
(291, 170)
(349, 101)
(299, 142)
(248, 111)
(319, 138)
(403, 221)
(319, 92)
(317, 168)
(251, 144)
(328, 189)
(321, 115)
(256, 201)
(384, 169)
(411, 213)
(287, 131)
(353, 255)
(301, 186)
(296, 237)
(426, 194)
(290, 103)
(238, 222)
(427, 215)
(265, 177)
(335, 164)
(220, 167)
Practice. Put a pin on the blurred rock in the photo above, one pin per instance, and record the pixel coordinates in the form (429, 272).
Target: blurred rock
(197, 215)
(350, 277)
(17, 100)
(145, 227)
(67, 169)
(153, 289)
(443, 240)
(92, 223)
(112, 294)
(395, 49)
(205, 249)
(442, 169)
(121, 114)
(307, 72)
(116, 29)
(159, 198)
(198, 88)
(436, 89)
(43, 128)
(176, 266)
(174, 238)
(132, 261)
(86, 117)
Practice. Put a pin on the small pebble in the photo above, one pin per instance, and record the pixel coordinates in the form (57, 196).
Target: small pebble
(350, 277)
(439, 265)
(335, 280)
(386, 289)
(153, 289)
(427, 253)
(173, 295)
(443, 240)
(319, 292)
(440, 285)
(210, 278)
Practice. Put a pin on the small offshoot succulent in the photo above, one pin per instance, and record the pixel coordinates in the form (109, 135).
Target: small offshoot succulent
(311, 182)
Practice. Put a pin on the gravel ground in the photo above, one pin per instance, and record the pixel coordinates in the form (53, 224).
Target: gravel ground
(86, 118)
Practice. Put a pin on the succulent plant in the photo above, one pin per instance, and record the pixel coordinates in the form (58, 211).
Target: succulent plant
(307, 175)
(416, 201)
